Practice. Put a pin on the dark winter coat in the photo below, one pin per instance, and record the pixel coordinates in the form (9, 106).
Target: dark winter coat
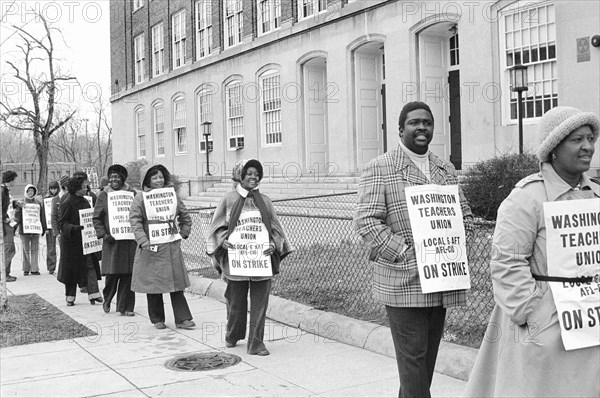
(117, 257)
(162, 271)
(72, 268)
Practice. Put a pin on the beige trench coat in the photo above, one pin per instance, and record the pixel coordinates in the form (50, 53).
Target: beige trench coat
(522, 354)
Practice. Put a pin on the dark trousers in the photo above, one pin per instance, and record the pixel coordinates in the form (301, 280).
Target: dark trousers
(236, 294)
(92, 278)
(71, 292)
(51, 251)
(9, 246)
(156, 307)
(119, 284)
(416, 333)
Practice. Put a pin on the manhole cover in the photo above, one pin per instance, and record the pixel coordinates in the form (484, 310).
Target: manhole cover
(203, 361)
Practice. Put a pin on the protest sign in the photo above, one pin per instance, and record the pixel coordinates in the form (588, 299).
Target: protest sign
(119, 203)
(90, 243)
(436, 221)
(161, 209)
(32, 224)
(48, 212)
(573, 250)
(250, 239)
(90, 200)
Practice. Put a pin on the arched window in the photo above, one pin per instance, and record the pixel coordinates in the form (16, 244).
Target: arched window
(270, 106)
(235, 114)
(205, 114)
(179, 124)
(158, 125)
(140, 132)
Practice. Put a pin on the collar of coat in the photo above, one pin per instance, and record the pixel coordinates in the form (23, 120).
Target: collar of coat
(403, 164)
(125, 187)
(556, 186)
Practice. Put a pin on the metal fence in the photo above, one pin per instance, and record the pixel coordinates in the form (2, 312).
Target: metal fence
(330, 269)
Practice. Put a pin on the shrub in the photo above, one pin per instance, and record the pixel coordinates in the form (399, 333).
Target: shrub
(489, 182)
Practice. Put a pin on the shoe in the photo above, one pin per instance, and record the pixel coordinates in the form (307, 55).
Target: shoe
(160, 325)
(10, 278)
(70, 303)
(83, 290)
(106, 306)
(127, 313)
(262, 353)
(93, 302)
(186, 325)
(25, 273)
(51, 272)
(35, 273)
(99, 299)
(230, 344)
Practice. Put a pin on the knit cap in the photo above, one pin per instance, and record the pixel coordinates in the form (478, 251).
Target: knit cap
(558, 123)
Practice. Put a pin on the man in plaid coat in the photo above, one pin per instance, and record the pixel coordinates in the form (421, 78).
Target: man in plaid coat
(381, 218)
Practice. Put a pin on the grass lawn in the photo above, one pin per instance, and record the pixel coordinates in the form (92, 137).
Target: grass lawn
(31, 319)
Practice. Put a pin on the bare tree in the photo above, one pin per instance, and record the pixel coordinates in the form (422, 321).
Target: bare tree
(39, 116)
(69, 144)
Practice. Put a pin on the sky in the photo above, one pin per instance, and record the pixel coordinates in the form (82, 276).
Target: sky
(84, 52)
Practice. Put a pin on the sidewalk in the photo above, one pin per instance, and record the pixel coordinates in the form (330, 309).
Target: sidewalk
(127, 357)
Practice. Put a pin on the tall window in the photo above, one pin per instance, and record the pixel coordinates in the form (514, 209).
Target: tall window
(179, 124)
(140, 58)
(269, 15)
(141, 133)
(233, 22)
(158, 123)
(137, 4)
(235, 114)
(158, 50)
(270, 107)
(204, 101)
(529, 38)
(203, 28)
(307, 8)
(179, 39)
(454, 54)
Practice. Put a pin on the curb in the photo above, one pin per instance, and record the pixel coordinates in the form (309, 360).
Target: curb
(453, 360)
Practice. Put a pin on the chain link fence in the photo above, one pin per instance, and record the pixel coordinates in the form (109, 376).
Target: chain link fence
(330, 269)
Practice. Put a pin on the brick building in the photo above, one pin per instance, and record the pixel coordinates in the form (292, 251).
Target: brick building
(316, 86)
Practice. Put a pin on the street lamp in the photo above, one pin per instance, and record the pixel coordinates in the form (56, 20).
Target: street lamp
(518, 83)
(206, 127)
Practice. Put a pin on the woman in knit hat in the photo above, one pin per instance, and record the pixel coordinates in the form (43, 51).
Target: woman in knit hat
(246, 209)
(525, 353)
(118, 252)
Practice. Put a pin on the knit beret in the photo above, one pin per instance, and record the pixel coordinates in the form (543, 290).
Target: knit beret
(120, 170)
(558, 123)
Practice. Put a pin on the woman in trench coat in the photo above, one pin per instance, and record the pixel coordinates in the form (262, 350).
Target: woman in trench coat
(159, 267)
(523, 353)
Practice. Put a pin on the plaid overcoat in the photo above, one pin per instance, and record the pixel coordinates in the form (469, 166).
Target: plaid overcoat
(381, 219)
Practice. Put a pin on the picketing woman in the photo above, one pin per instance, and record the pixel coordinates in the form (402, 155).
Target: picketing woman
(159, 221)
(524, 352)
(235, 205)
